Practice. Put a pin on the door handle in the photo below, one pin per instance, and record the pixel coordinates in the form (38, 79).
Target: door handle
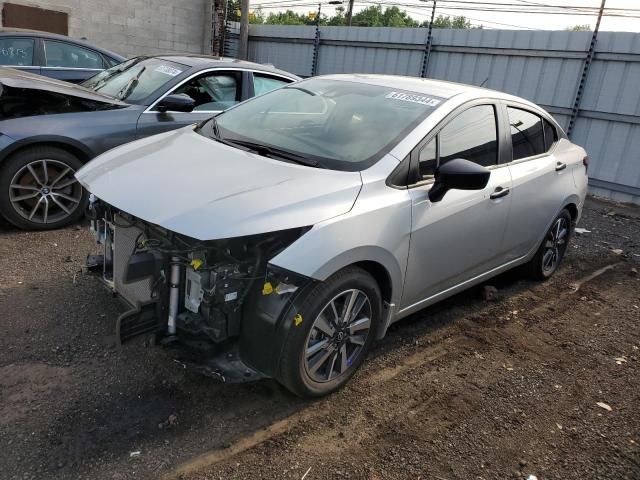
(500, 192)
(560, 166)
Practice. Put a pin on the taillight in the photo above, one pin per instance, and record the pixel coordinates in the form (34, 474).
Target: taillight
(585, 162)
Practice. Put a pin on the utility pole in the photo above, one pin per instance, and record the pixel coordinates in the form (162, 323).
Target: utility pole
(243, 51)
(350, 13)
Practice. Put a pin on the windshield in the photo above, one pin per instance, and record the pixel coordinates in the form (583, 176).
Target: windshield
(135, 79)
(340, 124)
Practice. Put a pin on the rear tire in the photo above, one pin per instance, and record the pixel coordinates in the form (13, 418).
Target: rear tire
(552, 249)
(322, 350)
(38, 190)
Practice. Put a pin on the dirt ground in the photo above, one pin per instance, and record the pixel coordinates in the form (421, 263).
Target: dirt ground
(542, 380)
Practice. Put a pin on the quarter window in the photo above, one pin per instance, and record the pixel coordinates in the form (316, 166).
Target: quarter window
(65, 55)
(17, 52)
(428, 159)
(263, 84)
(527, 133)
(213, 92)
(472, 136)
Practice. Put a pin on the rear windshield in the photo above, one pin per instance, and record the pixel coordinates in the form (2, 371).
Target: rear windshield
(135, 80)
(342, 125)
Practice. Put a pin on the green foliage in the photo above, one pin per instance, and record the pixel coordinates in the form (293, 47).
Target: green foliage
(579, 28)
(450, 22)
(372, 16)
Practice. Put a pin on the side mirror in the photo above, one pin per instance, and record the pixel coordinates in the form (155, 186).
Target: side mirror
(176, 103)
(458, 174)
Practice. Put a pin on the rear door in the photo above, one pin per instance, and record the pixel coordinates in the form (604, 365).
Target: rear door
(70, 62)
(461, 236)
(20, 53)
(541, 181)
(213, 91)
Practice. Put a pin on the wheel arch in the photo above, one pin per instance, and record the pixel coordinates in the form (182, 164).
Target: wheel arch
(74, 147)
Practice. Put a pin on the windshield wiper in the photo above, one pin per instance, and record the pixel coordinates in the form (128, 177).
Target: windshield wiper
(269, 151)
(131, 84)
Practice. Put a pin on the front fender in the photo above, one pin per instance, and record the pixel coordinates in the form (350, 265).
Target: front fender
(14, 145)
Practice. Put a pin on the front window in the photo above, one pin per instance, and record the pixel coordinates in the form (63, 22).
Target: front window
(136, 79)
(213, 92)
(66, 55)
(339, 124)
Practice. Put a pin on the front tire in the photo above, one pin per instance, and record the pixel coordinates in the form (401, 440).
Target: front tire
(38, 190)
(328, 341)
(552, 249)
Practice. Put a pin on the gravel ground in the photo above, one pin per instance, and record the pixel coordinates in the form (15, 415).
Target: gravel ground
(468, 388)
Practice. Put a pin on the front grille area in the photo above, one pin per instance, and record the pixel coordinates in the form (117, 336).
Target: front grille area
(124, 245)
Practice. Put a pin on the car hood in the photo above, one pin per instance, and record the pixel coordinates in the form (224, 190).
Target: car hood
(12, 78)
(201, 188)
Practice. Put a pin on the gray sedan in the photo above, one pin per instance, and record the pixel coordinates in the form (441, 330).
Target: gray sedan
(282, 237)
(49, 128)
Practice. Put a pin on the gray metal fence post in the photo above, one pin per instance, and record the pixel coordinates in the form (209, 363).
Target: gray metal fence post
(429, 44)
(585, 73)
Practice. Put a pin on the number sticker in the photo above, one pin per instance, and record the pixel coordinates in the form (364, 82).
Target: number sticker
(414, 98)
(168, 70)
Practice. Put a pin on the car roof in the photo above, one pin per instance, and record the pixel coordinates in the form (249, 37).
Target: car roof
(427, 86)
(7, 32)
(206, 61)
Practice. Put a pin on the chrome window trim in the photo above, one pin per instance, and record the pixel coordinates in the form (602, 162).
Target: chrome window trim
(208, 70)
(73, 69)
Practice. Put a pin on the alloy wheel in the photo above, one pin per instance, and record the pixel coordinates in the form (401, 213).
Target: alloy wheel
(555, 245)
(45, 191)
(338, 335)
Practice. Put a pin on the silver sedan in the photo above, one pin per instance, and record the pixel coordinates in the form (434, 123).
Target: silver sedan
(283, 237)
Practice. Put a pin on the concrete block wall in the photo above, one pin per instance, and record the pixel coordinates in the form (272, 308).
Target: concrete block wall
(136, 27)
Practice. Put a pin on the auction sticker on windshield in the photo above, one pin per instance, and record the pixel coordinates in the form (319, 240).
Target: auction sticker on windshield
(168, 70)
(413, 98)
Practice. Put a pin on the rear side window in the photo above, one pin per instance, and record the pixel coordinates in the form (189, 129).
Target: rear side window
(263, 84)
(65, 55)
(550, 134)
(472, 136)
(527, 133)
(17, 52)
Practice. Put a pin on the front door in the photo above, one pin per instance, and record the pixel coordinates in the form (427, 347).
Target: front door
(212, 92)
(461, 236)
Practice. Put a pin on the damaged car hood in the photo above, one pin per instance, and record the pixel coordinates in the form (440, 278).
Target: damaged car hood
(12, 78)
(201, 188)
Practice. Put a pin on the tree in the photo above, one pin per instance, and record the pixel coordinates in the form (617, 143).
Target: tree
(288, 17)
(579, 28)
(449, 22)
(374, 16)
(256, 17)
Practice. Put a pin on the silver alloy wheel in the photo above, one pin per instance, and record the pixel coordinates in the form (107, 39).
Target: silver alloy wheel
(338, 335)
(554, 245)
(45, 191)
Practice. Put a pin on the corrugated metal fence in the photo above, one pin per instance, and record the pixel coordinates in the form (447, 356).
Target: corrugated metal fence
(542, 66)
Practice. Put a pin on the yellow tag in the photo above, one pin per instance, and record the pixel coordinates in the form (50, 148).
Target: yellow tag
(196, 263)
(297, 320)
(267, 288)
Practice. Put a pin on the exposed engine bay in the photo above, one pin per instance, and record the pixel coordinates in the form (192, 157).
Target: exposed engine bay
(198, 295)
(18, 102)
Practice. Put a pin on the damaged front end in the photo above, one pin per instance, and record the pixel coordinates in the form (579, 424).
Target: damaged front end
(219, 302)
(26, 95)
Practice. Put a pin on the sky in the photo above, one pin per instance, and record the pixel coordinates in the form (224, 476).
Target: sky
(508, 20)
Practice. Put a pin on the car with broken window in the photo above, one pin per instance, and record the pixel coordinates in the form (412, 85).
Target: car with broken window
(50, 128)
(281, 238)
